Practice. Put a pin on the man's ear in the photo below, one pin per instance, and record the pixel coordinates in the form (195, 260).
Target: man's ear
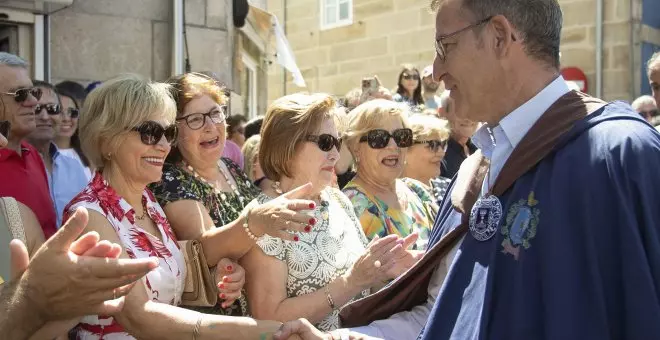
(504, 34)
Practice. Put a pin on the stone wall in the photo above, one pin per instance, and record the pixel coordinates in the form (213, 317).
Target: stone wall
(387, 33)
(99, 39)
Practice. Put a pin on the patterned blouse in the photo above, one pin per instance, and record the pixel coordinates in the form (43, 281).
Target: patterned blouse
(178, 184)
(165, 283)
(439, 186)
(322, 255)
(376, 218)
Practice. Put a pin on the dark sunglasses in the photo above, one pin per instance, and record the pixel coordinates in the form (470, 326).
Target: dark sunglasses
(410, 76)
(649, 114)
(325, 141)
(51, 109)
(434, 145)
(73, 112)
(151, 132)
(378, 139)
(4, 128)
(21, 95)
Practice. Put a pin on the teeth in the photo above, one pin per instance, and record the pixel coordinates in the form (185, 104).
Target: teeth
(153, 160)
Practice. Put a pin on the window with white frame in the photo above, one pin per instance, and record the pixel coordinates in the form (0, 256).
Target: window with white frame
(336, 13)
(249, 86)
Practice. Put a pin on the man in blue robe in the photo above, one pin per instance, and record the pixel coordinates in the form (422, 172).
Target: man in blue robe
(569, 246)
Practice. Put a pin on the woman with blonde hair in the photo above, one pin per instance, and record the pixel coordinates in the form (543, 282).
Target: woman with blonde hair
(424, 160)
(252, 168)
(126, 132)
(379, 137)
(319, 272)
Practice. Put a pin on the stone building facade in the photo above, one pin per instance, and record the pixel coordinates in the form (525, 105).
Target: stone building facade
(380, 35)
(93, 40)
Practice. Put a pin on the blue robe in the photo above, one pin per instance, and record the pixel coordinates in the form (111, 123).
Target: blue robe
(577, 252)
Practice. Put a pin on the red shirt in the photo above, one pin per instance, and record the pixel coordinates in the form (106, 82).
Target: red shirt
(24, 178)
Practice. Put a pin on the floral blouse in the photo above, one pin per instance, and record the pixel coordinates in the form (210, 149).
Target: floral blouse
(376, 218)
(322, 255)
(165, 283)
(178, 184)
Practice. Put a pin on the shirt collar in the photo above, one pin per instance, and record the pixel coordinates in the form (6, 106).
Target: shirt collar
(53, 150)
(517, 123)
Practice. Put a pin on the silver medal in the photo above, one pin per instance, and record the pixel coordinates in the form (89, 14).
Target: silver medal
(485, 217)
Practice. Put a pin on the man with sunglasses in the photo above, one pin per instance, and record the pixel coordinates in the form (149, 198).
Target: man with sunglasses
(66, 176)
(22, 170)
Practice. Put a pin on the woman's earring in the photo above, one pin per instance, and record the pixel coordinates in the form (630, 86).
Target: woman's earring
(277, 187)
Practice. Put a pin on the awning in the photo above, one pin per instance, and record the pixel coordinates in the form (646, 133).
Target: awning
(35, 6)
(261, 27)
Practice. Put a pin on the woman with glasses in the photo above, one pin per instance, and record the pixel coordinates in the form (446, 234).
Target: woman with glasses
(127, 130)
(330, 264)
(409, 87)
(66, 135)
(379, 137)
(203, 194)
(424, 159)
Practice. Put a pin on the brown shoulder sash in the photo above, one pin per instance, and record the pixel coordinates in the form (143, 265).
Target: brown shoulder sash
(411, 288)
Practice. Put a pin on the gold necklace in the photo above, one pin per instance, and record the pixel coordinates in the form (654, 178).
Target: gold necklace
(215, 188)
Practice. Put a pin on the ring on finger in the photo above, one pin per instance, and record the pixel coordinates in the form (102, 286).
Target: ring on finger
(114, 294)
(377, 264)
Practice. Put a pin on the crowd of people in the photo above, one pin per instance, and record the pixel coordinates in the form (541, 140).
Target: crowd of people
(137, 209)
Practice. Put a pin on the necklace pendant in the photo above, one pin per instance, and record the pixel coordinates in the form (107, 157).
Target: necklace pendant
(485, 217)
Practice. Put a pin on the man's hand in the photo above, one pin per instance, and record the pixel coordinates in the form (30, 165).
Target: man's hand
(66, 278)
(302, 328)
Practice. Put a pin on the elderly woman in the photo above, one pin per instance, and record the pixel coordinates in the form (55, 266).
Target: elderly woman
(379, 136)
(203, 194)
(126, 132)
(326, 268)
(430, 135)
(252, 167)
(646, 107)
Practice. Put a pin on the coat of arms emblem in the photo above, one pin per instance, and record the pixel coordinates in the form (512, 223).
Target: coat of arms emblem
(520, 226)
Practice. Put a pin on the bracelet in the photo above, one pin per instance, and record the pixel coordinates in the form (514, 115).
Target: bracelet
(252, 236)
(198, 325)
(331, 302)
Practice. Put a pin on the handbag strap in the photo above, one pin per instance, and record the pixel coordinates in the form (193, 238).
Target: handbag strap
(12, 215)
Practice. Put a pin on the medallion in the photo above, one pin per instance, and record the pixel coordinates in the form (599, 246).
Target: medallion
(485, 217)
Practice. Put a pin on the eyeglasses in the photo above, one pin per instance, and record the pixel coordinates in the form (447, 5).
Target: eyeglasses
(196, 121)
(649, 114)
(440, 48)
(410, 76)
(51, 109)
(73, 112)
(434, 145)
(325, 141)
(4, 128)
(379, 139)
(21, 95)
(152, 132)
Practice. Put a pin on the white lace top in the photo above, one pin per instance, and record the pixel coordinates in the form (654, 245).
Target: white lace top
(327, 252)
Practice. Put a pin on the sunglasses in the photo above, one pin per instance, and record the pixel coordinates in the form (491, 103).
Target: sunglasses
(410, 76)
(325, 141)
(434, 145)
(4, 128)
(73, 113)
(379, 139)
(196, 121)
(21, 95)
(51, 109)
(152, 132)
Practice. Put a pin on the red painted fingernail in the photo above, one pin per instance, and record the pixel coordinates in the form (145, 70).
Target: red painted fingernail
(221, 286)
(312, 221)
(308, 229)
(312, 205)
(295, 238)
(222, 295)
(225, 279)
(230, 268)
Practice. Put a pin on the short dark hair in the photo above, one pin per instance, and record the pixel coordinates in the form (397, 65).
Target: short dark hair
(253, 127)
(74, 91)
(539, 22)
(233, 122)
(47, 85)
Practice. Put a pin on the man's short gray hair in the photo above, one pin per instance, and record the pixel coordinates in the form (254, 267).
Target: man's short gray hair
(642, 101)
(655, 58)
(538, 21)
(12, 60)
